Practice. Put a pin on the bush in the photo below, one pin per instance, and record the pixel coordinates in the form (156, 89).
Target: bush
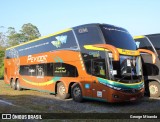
(1, 64)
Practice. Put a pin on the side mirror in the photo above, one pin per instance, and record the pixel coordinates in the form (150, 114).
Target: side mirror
(104, 47)
(150, 52)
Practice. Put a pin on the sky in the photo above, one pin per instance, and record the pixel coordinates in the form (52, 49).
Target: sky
(139, 17)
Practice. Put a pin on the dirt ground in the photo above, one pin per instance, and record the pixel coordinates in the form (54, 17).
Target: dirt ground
(29, 101)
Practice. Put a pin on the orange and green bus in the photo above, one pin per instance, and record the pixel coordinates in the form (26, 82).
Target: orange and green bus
(92, 61)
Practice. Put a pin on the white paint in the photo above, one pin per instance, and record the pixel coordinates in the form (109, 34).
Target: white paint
(110, 55)
(5, 102)
(113, 72)
(99, 94)
(42, 58)
(128, 63)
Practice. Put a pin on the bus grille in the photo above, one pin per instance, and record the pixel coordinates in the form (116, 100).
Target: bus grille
(133, 91)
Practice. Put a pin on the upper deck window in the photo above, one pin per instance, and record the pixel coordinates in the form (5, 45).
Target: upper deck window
(62, 41)
(143, 43)
(155, 40)
(118, 37)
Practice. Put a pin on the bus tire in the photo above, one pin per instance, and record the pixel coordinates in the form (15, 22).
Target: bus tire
(18, 85)
(61, 91)
(11, 83)
(14, 86)
(154, 89)
(76, 93)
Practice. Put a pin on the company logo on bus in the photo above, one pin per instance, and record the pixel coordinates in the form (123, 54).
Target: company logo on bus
(40, 59)
(59, 41)
(128, 52)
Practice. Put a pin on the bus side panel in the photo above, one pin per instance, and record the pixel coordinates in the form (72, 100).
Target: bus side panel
(11, 70)
(6, 71)
(150, 69)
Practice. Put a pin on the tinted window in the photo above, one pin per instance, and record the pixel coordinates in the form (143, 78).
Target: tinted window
(118, 37)
(12, 53)
(24, 70)
(41, 70)
(96, 67)
(32, 70)
(156, 42)
(99, 68)
(90, 35)
(57, 69)
(143, 43)
(50, 69)
(65, 70)
(62, 41)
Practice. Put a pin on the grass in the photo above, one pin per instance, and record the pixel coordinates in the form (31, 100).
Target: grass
(28, 101)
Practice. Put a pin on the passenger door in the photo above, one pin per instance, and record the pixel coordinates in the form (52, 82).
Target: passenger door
(98, 71)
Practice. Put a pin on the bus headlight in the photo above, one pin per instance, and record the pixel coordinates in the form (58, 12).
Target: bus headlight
(113, 87)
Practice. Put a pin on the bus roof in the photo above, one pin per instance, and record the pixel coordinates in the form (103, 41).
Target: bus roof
(95, 24)
(43, 37)
(76, 27)
(156, 34)
(148, 35)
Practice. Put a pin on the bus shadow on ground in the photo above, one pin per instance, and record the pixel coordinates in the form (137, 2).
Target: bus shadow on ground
(144, 99)
(51, 104)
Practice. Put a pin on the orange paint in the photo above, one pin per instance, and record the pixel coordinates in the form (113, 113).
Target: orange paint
(150, 52)
(111, 48)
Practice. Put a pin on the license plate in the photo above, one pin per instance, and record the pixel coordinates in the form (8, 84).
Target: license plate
(133, 98)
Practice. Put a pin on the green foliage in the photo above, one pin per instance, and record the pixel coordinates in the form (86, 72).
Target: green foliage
(1, 63)
(2, 38)
(11, 38)
(30, 32)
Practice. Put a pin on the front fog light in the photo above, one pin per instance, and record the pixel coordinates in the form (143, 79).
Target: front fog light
(115, 96)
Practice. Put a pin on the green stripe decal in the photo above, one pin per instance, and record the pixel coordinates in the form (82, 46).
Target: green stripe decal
(58, 59)
(42, 83)
(98, 99)
(121, 85)
(46, 91)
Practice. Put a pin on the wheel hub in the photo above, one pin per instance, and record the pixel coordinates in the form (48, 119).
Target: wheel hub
(77, 91)
(62, 90)
(153, 89)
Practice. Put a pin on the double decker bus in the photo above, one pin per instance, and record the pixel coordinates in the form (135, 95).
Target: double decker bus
(151, 71)
(92, 61)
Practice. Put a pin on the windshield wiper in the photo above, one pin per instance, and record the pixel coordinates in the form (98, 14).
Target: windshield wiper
(126, 75)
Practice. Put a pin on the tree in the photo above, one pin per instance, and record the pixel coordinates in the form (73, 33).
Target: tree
(13, 38)
(1, 63)
(29, 32)
(2, 37)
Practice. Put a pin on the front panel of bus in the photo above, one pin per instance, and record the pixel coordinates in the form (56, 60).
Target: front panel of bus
(113, 81)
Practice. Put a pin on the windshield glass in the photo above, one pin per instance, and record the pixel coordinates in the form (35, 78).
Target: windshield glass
(127, 70)
(143, 43)
(118, 37)
(155, 40)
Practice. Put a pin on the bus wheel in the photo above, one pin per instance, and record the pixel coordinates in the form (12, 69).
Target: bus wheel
(154, 89)
(76, 93)
(11, 83)
(14, 86)
(61, 91)
(18, 86)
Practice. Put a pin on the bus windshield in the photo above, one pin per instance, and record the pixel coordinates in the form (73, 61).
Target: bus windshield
(155, 40)
(118, 37)
(128, 69)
